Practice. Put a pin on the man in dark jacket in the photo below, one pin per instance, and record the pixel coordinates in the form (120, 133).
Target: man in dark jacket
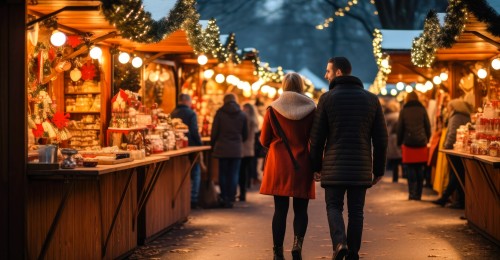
(349, 130)
(229, 131)
(189, 118)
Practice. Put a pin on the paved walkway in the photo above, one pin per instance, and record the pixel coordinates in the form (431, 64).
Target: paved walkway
(395, 228)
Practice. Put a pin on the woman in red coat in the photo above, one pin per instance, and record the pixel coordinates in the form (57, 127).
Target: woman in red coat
(294, 112)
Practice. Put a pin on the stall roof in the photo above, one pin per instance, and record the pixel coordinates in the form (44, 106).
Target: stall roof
(317, 82)
(94, 22)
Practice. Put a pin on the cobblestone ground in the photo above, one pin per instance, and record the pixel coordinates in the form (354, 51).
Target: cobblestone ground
(395, 228)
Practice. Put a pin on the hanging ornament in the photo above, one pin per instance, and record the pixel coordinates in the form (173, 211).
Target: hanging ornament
(33, 34)
(88, 71)
(74, 40)
(60, 120)
(75, 74)
(38, 131)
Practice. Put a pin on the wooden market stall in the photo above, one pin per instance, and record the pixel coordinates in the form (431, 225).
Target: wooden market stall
(104, 212)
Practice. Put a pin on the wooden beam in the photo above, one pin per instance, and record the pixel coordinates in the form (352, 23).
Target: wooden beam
(485, 38)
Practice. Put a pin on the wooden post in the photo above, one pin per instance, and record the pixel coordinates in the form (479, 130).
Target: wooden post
(13, 134)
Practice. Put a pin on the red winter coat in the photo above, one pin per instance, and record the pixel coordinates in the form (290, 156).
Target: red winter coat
(295, 113)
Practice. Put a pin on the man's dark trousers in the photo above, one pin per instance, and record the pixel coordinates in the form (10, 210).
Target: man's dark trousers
(334, 197)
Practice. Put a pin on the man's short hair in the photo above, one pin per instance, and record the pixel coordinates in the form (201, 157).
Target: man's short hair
(341, 63)
(184, 98)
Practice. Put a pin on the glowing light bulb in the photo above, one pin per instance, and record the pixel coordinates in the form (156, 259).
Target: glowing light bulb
(394, 92)
(443, 76)
(436, 80)
(400, 86)
(409, 89)
(482, 73)
(57, 38)
(137, 62)
(383, 91)
(428, 85)
(95, 53)
(219, 78)
(495, 64)
(202, 59)
(208, 73)
(123, 57)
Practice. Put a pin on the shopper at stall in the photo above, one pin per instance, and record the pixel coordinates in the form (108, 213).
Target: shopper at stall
(248, 168)
(287, 171)
(393, 149)
(189, 118)
(414, 131)
(229, 131)
(459, 115)
(349, 130)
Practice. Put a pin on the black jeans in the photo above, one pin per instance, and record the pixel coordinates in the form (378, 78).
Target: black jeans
(393, 165)
(453, 184)
(244, 180)
(334, 197)
(415, 173)
(300, 219)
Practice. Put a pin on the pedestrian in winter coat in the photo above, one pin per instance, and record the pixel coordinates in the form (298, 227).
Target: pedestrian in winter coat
(393, 149)
(229, 131)
(349, 130)
(294, 112)
(188, 117)
(248, 166)
(414, 131)
(459, 115)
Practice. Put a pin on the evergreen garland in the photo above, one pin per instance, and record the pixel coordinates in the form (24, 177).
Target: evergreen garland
(484, 13)
(136, 24)
(454, 23)
(203, 41)
(424, 47)
(230, 51)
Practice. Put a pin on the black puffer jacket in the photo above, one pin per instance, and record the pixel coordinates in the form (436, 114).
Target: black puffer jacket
(414, 128)
(229, 131)
(349, 128)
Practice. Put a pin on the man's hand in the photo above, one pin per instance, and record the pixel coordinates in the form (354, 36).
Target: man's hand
(317, 176)
(376, 180)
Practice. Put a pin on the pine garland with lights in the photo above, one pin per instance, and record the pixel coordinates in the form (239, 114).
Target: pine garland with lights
(384, 68)
(454, 23)
(229, 52)
(424, 47)
(136, 24)
(203, 41)
(484, 13)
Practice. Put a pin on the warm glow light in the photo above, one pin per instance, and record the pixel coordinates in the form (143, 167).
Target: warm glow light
(219, 78)
(394, 92)
(495, 64)
(280, 91)
(272, 93)
(95, 53)
(409, 89)
(154, 76)
(400, 86)
(443, 76)
(383, 91)
(385, 63)
(309, 94)
(202, 59)
(247, 94)
(137, 62)
(436, 80)
(233, 80)
(240, 85)
(123, 57)
(482, 73)
(208, 73)
(265, 89)
(428, 85)
(246, 86)
(57, 38)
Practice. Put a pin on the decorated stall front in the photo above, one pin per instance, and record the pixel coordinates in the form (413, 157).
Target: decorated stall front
(108, 169)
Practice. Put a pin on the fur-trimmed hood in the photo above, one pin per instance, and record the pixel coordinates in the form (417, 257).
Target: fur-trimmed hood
(293, 106)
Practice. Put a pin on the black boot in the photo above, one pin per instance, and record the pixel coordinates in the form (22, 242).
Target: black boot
(278, 253)
(297, 248)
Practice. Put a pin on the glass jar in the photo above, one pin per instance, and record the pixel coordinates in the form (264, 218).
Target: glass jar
(493, 149)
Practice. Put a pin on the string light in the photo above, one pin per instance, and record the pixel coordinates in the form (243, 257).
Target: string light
(436, 80)
(482, 73)
(339, 12)
(394, 92)
(95, 53)
(137, 62)
(443, 76)
(409, 89)
(400, 86)
(57, 38)
(208, 74)
(202, 59)
(495, 64)
(123, 57)
(219, 78)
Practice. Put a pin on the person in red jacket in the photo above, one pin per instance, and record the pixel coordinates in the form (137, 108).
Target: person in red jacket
(294, 113)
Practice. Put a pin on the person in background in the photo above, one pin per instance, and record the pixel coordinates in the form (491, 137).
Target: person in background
(348, 149)
(393, 149)
(459, 115)
(287, 172)
(229, 131)
(414, 131)
(189, 118)
(248, 168)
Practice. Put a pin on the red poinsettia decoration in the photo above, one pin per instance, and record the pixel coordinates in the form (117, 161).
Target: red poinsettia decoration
(73, 40)
(88, 71)
(38, 131)
(60, 120)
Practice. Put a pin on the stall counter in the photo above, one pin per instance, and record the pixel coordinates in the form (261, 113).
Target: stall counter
(104, 212)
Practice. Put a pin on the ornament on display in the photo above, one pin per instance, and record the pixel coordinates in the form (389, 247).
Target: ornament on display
(88, 71)
(74, 40)
(75, 75)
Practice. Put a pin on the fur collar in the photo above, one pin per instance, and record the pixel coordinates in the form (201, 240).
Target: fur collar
(293, 106)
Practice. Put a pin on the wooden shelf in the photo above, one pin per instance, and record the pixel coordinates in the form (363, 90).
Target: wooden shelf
(80, 112)
(81, 93)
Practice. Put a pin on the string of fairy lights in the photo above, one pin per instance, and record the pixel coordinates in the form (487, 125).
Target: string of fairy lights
(340, 12)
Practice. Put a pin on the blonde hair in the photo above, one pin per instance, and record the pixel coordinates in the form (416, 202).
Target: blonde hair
(293, 82)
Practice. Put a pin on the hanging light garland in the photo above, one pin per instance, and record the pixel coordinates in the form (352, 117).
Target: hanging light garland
(136, 24)
(434, 36)
(339, 12)
(382, 60)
